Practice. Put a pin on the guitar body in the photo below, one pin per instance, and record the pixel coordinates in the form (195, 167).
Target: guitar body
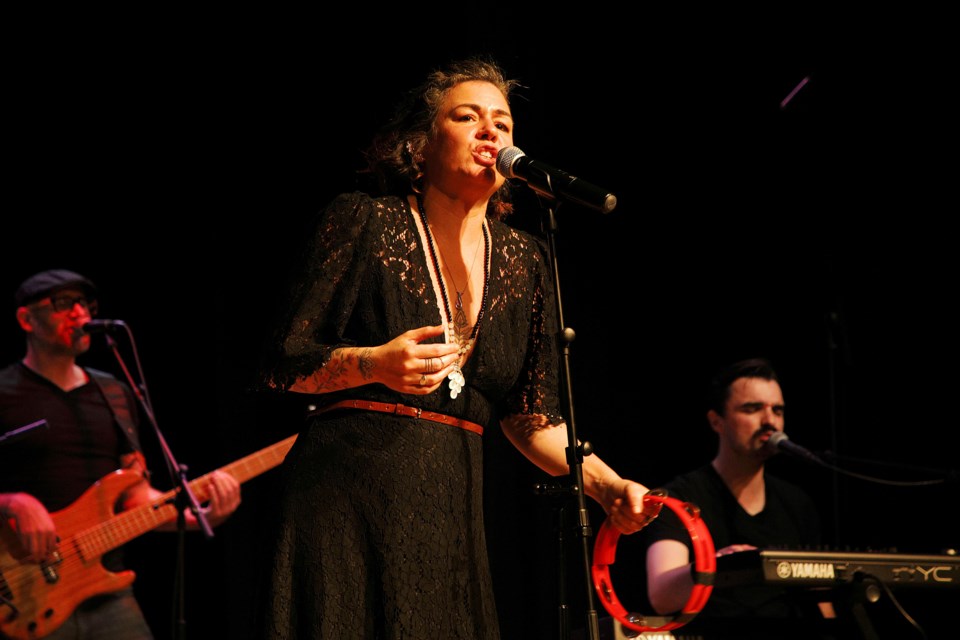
(46, 594)
(36, 599)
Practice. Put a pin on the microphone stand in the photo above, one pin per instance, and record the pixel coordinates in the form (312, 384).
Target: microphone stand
(940, 476)
(575, 452)
(832, 347)
(838, 353)
(178, 475)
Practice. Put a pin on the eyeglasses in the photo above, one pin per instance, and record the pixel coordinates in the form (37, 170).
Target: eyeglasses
(63, 303)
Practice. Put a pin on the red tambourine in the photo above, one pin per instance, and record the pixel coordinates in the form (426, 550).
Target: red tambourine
(705, 566)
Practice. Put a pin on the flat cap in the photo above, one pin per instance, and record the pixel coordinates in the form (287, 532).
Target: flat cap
(40, 285)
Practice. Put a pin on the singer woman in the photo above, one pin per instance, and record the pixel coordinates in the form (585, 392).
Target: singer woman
(417, 320)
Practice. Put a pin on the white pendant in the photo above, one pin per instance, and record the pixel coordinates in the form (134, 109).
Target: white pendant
(456, 381)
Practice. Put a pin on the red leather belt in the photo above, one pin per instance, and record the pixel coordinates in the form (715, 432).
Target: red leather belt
(401, 410)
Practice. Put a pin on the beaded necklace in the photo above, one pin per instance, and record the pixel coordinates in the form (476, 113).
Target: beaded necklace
(456, 376)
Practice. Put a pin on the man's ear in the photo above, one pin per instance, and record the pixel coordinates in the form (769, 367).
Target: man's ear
(715, 420)
(25, 319)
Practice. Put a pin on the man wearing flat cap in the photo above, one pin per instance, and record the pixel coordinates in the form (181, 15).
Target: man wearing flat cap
(91, 431)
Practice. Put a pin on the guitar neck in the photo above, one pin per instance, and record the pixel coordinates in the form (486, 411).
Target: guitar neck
(243, 469)
(127, 525)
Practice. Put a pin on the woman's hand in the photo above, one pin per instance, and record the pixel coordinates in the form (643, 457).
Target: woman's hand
(628, 511)
(408, 366)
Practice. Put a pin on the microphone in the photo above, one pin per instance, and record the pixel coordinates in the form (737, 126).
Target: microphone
(553, 183)
(779, 441)
(102, 326)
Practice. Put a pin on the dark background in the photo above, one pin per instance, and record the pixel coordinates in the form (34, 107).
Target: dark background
(175, 160)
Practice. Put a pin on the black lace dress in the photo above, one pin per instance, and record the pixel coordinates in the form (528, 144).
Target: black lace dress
(381, 533)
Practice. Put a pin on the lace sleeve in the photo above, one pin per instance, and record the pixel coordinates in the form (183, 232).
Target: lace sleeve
(534, 399)
(321, 294)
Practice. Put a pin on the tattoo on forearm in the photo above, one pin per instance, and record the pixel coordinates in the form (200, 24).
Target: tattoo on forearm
(365, 363)
(335, 374)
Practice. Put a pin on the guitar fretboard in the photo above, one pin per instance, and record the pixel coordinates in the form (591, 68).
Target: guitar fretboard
(125, 526)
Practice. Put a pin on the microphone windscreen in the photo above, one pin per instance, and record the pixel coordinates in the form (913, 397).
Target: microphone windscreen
(773, 442)
(100, 326)
(506, 158)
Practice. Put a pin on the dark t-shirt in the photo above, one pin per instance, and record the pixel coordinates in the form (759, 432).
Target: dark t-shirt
(789, 520)
(81, 443)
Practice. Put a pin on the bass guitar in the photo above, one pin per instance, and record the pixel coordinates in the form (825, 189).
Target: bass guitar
(35, 599)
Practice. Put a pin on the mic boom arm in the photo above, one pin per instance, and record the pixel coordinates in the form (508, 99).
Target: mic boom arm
(553, 183)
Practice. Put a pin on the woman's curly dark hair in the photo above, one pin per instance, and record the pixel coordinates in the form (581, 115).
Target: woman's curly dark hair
(395, 155)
